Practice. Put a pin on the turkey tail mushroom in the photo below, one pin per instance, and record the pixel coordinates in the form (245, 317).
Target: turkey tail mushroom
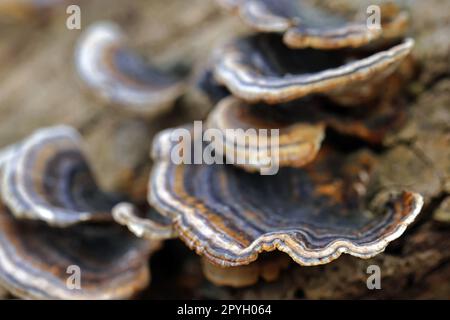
(260, 68)
(121, 78)
(314, 214)
(47, 177)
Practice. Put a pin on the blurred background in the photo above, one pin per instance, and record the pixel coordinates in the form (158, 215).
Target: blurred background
(39, 87)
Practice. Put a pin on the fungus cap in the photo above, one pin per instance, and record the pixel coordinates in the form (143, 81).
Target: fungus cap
(260, 69)
(302, 117)
(314, 214)
(252, 138)
(303, 23)
(86, 261)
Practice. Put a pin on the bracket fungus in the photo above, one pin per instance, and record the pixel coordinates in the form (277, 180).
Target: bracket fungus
(47, 177)
(117, 75)
(323, 200)
(314, 214)
(296, 143)
(55, 222)
(259, 68)
(302, 125)
(305, 24)
(36, 260)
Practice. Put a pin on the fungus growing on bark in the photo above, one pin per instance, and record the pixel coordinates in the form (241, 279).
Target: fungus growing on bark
(120, 77)
(314, 214)
(295, 143)
(260, 68)
(57, 236)
(305, 24)
(38, 260)
(301, 123)
(47, 177)
(323, 201)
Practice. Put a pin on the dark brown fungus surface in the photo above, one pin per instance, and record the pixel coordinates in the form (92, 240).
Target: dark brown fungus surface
(150, 226)
(47, 177)
(297, 143)
(37, 260)
(306, 23)
(314, 213)
(120, 77)
(260, 68)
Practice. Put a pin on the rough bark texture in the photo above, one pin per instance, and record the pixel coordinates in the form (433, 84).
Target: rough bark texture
(38, 87)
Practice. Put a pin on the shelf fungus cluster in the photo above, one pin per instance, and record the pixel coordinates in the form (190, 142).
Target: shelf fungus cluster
(121, 78)
(307, 73)
(58, 239)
